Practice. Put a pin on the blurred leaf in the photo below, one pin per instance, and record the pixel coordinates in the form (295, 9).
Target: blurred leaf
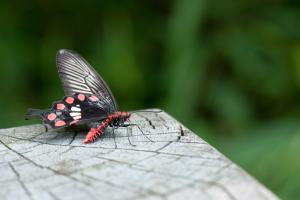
(184, 59)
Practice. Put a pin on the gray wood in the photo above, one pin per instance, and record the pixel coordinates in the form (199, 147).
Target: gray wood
(163, 160)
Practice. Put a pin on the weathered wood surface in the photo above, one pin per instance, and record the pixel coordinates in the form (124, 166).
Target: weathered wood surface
(165, 161)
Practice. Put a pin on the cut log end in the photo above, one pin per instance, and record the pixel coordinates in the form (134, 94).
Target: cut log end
(158, 158)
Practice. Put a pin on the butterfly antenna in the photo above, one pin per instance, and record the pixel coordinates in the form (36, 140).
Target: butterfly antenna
(143, 111)
(34, 113)
(145, 135)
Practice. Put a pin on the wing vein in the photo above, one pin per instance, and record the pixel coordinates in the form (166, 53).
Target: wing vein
(77, 76)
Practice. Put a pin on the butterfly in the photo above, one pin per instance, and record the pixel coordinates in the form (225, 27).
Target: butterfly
(88, 98)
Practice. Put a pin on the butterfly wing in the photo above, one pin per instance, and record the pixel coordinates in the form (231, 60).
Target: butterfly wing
(75, 109)
(78, 76)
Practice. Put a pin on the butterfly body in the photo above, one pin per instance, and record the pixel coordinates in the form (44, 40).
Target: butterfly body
(114, 119)
(88, 98)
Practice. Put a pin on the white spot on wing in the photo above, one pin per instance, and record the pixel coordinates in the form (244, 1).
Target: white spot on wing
(76, 109)
(73, 114)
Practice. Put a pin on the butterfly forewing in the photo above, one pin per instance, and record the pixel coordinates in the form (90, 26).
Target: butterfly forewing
(78, 76)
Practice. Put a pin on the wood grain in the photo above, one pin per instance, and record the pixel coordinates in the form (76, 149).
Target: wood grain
(158, 158)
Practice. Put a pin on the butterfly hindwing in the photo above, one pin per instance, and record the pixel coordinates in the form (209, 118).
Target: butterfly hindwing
(76, 109)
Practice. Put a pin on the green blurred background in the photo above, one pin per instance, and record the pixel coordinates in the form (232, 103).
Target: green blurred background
(228, 70)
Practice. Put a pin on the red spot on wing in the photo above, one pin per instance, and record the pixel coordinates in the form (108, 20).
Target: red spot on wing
(70, 100)
(51, 116)
(94, 98)
(81, 97)
(60, 106)
(60, 123)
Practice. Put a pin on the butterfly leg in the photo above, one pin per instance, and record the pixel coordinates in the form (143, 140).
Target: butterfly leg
(128, 137)
(126, 125)
(114, 135)
(46, 128)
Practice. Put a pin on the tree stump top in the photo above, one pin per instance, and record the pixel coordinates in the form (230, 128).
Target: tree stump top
(157, 159)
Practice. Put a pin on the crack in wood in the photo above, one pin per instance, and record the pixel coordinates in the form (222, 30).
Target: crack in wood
(137, 150)
(163, 120)
(20, 181)
(37, 165)
(150, 122)
(66, 151)
(53, 196)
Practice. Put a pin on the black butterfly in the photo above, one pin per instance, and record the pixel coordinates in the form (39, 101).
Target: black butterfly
(88, 98)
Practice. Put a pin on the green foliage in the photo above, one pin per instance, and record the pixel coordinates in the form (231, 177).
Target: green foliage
(229, 70)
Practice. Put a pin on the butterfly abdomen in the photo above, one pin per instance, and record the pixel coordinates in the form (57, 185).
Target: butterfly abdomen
(96, 132)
